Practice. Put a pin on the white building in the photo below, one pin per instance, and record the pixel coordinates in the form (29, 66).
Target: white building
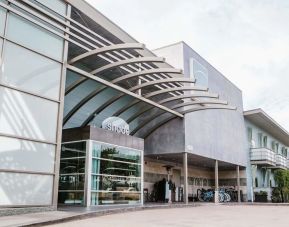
(268, 148)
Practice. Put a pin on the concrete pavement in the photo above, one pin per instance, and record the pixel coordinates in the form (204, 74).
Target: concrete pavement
(201, 216)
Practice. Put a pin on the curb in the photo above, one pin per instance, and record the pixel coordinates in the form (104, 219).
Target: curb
(99, 213)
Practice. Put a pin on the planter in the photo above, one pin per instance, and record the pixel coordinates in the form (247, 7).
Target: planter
(261, 198)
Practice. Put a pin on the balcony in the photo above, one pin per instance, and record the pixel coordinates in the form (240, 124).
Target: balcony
(262, 156)
(281, 162)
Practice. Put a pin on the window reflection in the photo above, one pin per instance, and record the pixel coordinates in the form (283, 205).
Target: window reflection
(72, 173)
(116, 175)
(104, 198)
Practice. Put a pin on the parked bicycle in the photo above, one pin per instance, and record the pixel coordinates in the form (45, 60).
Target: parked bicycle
(225, 195)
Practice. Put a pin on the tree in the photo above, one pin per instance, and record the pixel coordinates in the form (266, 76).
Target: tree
(282, 181)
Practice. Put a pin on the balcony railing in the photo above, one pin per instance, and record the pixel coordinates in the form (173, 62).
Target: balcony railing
(281, 161)
(263, 156)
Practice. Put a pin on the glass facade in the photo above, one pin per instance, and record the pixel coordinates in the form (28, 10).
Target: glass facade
(32, 69)
(116, 175)
(31, 60)
(21, 30)
(72, 173)
(112, 174)
(2, 20)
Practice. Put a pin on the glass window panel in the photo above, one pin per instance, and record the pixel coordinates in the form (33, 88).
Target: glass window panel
(115, 183)
(57, 5)
(71, 77)
(77, 149)
(117, 168)
(74, 165)
(108, 198)
(25, 189)
(32, 36)
(25, 115)
(79, 93)
(89, 107)
(71, 198)
(116, 153)
(71, 182)
(34, 72)
(73, 158)
(111, 110)
(26, 155)
(2, 20)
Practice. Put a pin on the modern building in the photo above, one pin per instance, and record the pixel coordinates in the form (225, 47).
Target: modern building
(64, 65)
(268, 147)
(89, 116)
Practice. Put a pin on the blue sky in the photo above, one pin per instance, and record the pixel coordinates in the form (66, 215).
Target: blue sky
(248, 41)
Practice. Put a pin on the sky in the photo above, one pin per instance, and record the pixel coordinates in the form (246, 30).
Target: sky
(247, 41)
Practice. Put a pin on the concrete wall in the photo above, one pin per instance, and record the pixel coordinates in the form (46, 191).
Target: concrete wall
(169, 138)
(216, 134)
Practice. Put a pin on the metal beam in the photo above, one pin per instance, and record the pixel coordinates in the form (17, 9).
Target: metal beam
(190, 103)
(199, 103)
(168, 90)
(159, 124)
(162, 81)
(122, 46)
(118, 88)
(190, 96)
(186, 184)
(146, 72)
(126, 62)
(216, 181)
(195, 95)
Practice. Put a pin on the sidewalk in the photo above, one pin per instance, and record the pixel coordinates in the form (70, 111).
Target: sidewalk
(65, 214)
(76, 213)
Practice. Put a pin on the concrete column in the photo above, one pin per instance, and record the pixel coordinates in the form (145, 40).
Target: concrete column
(238, 184)
(185, 167)
(216, 182)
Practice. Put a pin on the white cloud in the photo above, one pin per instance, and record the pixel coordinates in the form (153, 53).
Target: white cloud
(248, 41)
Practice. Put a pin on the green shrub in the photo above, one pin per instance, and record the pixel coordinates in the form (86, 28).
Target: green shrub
(261, 193)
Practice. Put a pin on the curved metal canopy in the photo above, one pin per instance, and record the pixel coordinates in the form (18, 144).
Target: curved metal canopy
(195, 95)
(140, 126)
(146, 72)
(189, 103)
(185, 88)
(162, 81)
(166, 120)
(122, 46)
(173, 98)
(117, 97)
(127, 62)
(171, 86)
